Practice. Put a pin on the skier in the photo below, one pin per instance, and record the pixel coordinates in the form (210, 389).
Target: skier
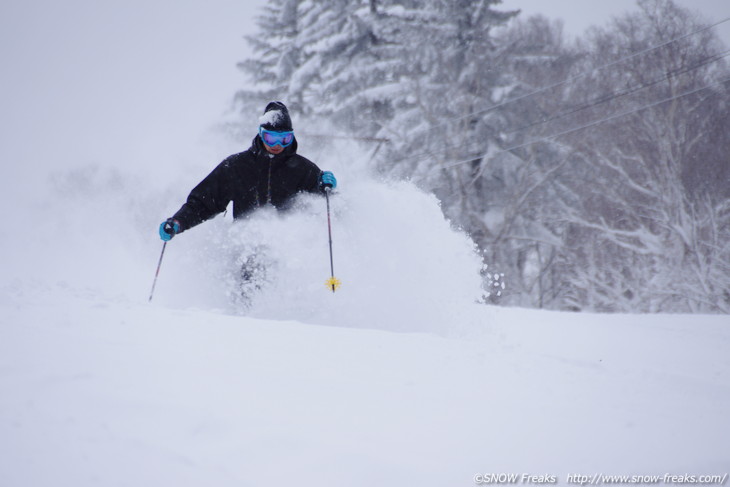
(269, 172)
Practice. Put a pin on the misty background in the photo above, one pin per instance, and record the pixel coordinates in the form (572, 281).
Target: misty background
(581, 222)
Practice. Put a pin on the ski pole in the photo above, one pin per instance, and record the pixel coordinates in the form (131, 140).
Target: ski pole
(332, 282)
(159, 264)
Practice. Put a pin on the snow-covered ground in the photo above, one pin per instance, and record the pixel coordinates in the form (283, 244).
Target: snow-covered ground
(99, 391)
(399, 378)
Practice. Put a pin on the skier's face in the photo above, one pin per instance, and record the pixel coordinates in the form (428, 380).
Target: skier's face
(277, 149)
(276, 141)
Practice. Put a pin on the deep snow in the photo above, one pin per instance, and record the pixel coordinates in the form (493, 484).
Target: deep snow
(399, 378)
(115, 392)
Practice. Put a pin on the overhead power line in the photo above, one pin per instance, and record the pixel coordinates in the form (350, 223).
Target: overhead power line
(580, 75)
(628, 91)
(345, 137)
(560, 83)
(576, 129)
(595, 102)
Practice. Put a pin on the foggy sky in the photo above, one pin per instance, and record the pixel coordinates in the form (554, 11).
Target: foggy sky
(134, 83)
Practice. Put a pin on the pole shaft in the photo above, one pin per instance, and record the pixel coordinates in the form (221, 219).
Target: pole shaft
(159, 264)
(329, 229)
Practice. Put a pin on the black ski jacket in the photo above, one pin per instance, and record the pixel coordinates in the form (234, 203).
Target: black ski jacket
(250, 179)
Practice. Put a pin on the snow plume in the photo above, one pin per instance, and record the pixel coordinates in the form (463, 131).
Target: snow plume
(402, 266)
(86, 228)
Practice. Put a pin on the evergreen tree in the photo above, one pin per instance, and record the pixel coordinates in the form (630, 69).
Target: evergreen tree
(489, 118)
(277, 54)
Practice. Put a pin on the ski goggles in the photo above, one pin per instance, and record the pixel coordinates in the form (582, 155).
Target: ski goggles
(272, 138)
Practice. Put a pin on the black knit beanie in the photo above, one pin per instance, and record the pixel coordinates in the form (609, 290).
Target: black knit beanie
(276, 117)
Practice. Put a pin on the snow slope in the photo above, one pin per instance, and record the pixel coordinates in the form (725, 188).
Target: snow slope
(400, 378)
(113, 392)
(397, 379)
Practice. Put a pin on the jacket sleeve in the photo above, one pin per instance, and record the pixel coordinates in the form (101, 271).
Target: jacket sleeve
(209, 198)
(311, 181)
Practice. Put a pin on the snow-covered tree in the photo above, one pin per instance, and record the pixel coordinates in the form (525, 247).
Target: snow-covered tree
(654, 243)
(520, 191)
(277, 55)
(592, 175)
(329, 58)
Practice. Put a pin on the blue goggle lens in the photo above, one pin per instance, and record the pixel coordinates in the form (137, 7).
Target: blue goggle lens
(272, 138)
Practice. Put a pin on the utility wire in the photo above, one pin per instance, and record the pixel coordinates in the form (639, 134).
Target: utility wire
(546, 88)
(576, 129)
(629, 91)
(555, 85)
(346, 137)
(580, 75)
(593, 103)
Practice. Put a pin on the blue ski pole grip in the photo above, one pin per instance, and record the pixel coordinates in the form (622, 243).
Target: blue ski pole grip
(168, 229)
(328, 180)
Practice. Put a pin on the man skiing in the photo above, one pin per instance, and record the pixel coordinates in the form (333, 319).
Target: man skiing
(269, 172)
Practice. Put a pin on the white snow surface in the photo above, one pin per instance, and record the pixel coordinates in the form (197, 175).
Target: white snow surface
(399, 378)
